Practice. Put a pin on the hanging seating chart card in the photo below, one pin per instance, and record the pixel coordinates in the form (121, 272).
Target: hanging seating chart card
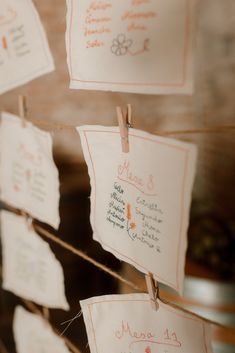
(140, 200)
(24, 51)
(128, 324)
(141, 46)
(28, 175)
(30, 269)
(33, 334)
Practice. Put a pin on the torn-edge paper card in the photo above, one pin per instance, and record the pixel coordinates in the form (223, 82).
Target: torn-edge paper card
(30, 268)
(140, 200)
(127, 323)
(29, 178)
(33, 334)
(24, 50)
(139, 46)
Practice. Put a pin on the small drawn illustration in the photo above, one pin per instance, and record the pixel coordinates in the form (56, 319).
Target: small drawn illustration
(130, 224)
(122, 46)
(7, 13)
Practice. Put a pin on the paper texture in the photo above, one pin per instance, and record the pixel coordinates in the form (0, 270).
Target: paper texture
(140, 46)
(33, 334)
(30, 269)
(140, 200)
(24, 51)
(28, 176)
(127, 323)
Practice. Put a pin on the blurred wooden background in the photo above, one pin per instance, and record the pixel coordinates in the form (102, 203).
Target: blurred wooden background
(212, 229)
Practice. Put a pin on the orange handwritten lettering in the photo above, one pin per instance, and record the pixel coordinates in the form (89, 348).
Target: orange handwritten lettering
(130, 15)
(94, 44)
(126, 174)
(90, 32)
(135, 27)
(99, 5)
(126, 330)
(145, 336)
(94, 20)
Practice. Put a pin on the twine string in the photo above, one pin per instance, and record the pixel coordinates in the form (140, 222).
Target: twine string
(49, 235)
(84, 256)
(70, 321)
(121, 278)
(211, 322)
(55, 126)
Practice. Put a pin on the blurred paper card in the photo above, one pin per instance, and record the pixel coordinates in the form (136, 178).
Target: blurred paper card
(24, 51)
(30, 269)
(139, 46)
(127, 323)
(140, 200)
(33, 334)
(28, 175)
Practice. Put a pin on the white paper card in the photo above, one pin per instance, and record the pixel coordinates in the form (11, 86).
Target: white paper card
(33, 334)
(128, 324)
(28, 175)
(141, 46)
(140, 200)
(30, 269)
(24, 51)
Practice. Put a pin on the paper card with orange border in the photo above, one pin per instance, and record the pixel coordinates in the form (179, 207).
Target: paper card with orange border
(24, 50)
(139, 46)
(140, 200)
(29, 178)
(128, 324)
(30, 268)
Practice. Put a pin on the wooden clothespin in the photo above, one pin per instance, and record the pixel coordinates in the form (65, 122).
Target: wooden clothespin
(153, 290)
(124, 123)
(22, 109)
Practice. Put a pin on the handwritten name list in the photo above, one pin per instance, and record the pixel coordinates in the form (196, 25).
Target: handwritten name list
(24, 51)
(135, 327)
(140, 205)
(142, 220)
(99, 23)
(29, 177)
(128, 35)
(30, 269)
